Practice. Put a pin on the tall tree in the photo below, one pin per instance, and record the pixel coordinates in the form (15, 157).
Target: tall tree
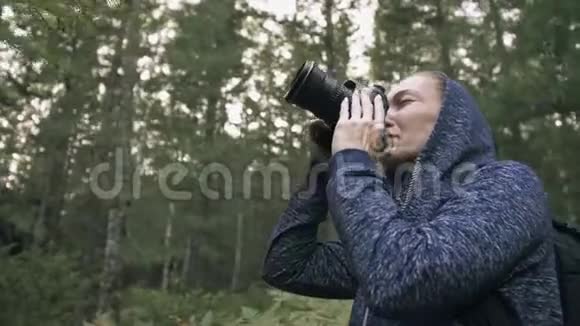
(57, 50)
(206, 56)
(123, 103)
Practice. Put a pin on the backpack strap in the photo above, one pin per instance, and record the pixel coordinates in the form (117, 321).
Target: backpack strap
(563, 294)
(491, 311)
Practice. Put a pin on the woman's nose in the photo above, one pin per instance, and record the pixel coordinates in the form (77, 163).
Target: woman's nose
(389, 122)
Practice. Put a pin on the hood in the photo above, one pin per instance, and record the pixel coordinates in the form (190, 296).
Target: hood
(461, 133)
(461, 140)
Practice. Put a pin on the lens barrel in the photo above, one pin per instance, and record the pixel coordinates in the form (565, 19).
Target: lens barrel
(314, 90)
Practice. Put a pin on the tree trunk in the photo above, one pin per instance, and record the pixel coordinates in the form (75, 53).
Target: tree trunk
(498, 33)
(167, 247)
(238, 256)
(186, 262)
(51, 165)
(561, 29)
(444, 37)
(329, 38)
(108, 296)
(54, 172)
(326, 230)
(122, 133)
(205, 206)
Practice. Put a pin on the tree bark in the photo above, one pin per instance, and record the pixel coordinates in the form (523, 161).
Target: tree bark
(326, 230)
(186, 262)
(498, 31)
(238, 255)
(53, 172)
(55, 137)
(329, 38)
(167, 247)
(122, 134)
(444, 37)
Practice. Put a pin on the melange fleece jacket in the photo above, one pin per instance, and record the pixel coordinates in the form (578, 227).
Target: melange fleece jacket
(420, 251)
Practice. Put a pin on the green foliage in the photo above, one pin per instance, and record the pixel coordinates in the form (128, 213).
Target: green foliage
(257, 307)
(288, 309)
(216, 57)
(37, 288)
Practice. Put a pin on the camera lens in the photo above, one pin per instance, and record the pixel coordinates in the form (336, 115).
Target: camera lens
(314, 90)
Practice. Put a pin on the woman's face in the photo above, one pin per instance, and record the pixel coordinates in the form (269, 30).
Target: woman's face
(414, 106)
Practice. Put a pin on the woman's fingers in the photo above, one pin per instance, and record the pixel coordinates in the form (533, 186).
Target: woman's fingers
(379, 142)
(356, 106)
(379, 116)
(367, 106)
(343, 110)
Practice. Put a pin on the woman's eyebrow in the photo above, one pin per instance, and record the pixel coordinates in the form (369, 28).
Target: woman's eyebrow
(403, 92)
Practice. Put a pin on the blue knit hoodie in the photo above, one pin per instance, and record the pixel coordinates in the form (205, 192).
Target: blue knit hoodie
(463, 224)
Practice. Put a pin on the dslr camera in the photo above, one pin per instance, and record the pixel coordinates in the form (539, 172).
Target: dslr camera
(314, 90)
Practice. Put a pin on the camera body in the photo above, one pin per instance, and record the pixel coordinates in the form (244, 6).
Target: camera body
(314, 90)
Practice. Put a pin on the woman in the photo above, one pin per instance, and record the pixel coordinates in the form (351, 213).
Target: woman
(425, 238)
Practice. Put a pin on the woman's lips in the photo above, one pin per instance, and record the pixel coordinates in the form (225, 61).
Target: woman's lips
(380, 142)
(392, 142)
(385, 146)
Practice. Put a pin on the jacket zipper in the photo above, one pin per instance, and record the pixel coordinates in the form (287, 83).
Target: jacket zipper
(366, 316)
(406, 201)
(409, 192)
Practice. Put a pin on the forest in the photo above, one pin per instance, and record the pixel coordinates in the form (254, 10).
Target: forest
(146, 150)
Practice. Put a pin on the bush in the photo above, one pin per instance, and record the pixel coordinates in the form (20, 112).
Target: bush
(255, 307)
(289, 309)
(41, 289)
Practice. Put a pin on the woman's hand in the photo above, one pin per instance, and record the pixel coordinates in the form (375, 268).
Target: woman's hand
(364, 128)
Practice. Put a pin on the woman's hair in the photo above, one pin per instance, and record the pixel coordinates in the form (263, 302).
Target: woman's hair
(439, 77)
